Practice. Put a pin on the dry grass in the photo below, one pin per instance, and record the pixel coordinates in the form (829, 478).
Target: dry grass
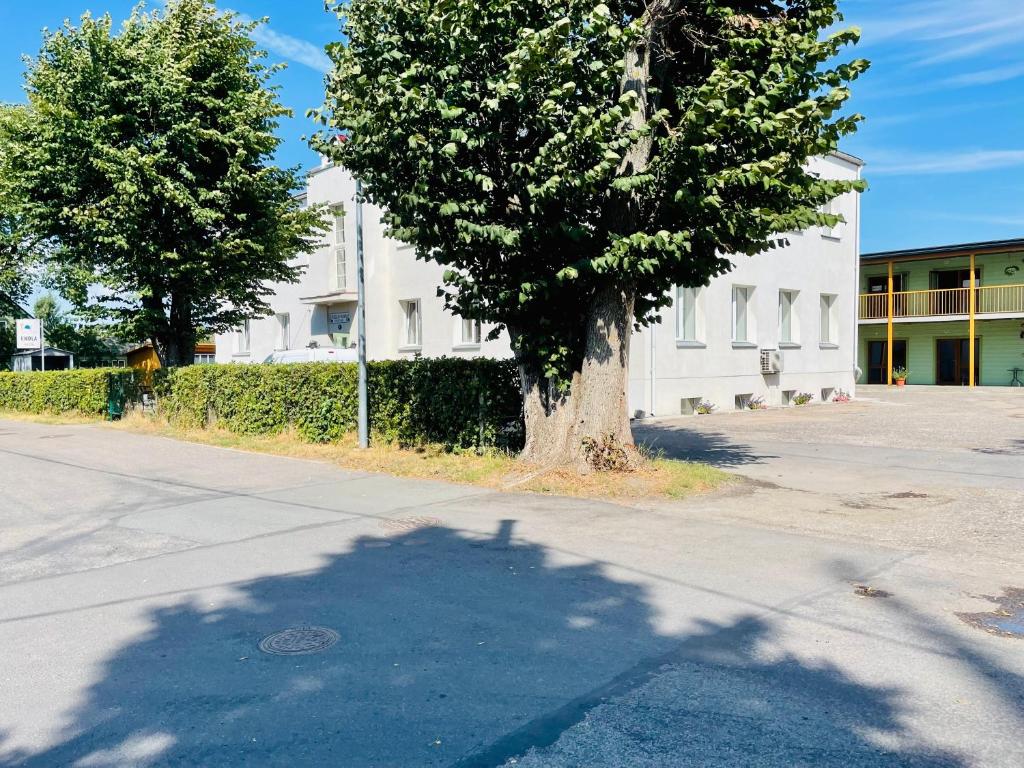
(659, 479)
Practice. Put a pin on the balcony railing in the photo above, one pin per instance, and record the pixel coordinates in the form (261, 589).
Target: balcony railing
(989, 300)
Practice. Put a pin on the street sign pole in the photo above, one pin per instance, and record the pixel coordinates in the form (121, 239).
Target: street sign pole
(364, 416)
(42, 347)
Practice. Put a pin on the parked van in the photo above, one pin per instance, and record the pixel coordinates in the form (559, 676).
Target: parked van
(314, 355)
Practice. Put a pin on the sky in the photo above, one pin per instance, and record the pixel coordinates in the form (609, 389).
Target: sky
(944, 101)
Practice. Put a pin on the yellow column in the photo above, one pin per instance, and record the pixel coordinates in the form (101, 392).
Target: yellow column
(891, 306)
(972, 296)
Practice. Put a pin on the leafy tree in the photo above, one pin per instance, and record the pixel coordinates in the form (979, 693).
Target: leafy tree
(571, 160)
(143, 160)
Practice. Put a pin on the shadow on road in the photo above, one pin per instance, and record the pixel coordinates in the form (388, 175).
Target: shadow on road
(689, 444)
(459, 650)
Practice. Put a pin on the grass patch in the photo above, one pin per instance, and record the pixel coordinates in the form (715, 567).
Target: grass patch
(659, 478)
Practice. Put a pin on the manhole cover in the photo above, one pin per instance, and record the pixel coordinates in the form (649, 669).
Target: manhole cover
(863, 590)
(410, 523)
(1005, 621)
(299, 641)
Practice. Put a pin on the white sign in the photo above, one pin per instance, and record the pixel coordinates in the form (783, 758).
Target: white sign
(29, 336)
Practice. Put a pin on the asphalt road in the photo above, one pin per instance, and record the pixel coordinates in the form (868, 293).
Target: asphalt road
(138, 577)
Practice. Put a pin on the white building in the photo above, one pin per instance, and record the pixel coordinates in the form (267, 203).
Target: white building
(779, 324)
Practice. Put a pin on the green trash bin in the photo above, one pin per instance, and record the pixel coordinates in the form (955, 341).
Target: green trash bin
(116, 397)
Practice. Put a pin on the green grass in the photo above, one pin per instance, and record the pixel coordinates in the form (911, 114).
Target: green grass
(658, 478)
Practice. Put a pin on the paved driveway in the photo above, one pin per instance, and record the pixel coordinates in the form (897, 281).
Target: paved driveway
(139, 576)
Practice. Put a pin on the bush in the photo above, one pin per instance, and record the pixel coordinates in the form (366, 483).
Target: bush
(455, 402)
(85, 391)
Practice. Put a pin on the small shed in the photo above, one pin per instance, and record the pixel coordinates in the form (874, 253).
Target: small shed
(32, 360)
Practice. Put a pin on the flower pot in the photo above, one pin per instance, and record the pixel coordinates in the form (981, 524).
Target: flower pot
(901, 382)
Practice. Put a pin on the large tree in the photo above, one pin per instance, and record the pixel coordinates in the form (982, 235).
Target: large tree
(571, 160)
(143, 161)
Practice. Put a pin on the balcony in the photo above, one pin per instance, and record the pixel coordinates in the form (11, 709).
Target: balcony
(999, 300)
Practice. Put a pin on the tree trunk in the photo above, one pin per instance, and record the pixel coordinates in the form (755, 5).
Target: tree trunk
(176, 342)
(587, 426)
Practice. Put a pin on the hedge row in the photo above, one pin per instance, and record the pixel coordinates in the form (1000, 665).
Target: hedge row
(84, 391)
(456, 402)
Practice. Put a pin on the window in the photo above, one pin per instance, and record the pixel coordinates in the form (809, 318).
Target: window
(412, 328)
(688, 314)
(880, 283)
(469, 332)
(340, 263)
(284, 331)
(829, 330)
(243, 339)
(741, 320)
(833, 209)
(204, 359)
(787, 317)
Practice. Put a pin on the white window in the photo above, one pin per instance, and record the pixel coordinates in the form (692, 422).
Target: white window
(833, 209)
(412, 326)
(742, 322)
(339, 256)
(787, 317)
(204, 359)
(469, 332)
(284, 330)
(243, 338)
(829, 321)
(689, 314)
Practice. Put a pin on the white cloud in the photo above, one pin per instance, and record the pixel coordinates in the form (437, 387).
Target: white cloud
(292, 48)
(986, 76)
(917, 164)
(937, 31)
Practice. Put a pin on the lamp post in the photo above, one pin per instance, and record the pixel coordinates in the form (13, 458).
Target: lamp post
(364, 420)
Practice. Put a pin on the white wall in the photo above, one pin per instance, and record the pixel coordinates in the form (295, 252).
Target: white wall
(717, 369)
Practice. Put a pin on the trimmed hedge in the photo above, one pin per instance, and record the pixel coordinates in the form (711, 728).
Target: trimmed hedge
(455, 402)
(84, 391)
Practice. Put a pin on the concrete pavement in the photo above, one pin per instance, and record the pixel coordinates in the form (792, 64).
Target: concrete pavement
(475, 628)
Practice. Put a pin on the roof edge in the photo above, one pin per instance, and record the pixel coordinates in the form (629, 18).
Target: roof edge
(988, 246)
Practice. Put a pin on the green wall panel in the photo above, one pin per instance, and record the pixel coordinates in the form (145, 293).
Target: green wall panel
(1001, 347)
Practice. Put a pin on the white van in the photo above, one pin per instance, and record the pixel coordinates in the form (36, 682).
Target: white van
(314, 355)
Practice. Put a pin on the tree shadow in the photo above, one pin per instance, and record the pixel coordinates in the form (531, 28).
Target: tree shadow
(461, 650)
(677, 441)
(1012, 448)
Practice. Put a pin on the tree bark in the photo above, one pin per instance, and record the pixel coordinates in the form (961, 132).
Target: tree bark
(578, 426)
(176, 342)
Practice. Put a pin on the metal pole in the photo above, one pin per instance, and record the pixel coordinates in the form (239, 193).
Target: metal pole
(364, 420)
(42, 347)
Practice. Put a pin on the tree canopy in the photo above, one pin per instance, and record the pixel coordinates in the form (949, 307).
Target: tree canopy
(143, 162)
(571, 160)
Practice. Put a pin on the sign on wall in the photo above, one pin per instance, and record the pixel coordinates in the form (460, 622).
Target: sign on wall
(29, 334)
(340, 322)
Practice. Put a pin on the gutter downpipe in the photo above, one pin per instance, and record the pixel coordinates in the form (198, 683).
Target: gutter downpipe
(654, 368)
(856, 295)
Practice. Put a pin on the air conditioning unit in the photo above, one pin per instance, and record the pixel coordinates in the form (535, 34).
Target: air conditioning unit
(771, 362)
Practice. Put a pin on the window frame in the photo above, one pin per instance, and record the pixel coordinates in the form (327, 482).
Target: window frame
(407, 342)
(339, 249)
(476, 333)
(244, 338)
(749, 322)
(828, 338)
(793, 340)
(689, 297)
(284, 330)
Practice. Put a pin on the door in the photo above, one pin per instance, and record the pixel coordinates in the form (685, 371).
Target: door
(952, 302)
(878, 359)
(953, 362)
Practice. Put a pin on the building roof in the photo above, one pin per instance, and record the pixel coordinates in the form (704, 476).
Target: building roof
(962, 249)
(50, 352)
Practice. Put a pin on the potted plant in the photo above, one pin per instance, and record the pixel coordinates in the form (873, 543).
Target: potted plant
(899, 375)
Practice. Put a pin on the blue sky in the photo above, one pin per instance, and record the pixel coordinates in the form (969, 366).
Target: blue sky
(944, 100)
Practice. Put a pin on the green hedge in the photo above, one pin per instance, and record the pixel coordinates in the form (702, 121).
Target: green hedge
(455, 402)
(84, 391)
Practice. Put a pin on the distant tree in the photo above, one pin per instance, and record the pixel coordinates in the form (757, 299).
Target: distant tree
(571, 160)
(143, 160)
(90, 343)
